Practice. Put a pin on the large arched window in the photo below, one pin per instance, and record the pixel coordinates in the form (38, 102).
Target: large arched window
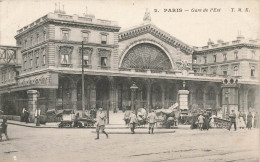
(146, 56)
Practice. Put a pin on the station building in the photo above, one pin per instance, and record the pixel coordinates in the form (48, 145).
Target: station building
(45, 67)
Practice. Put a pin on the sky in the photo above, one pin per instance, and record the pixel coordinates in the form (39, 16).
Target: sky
(192, 28)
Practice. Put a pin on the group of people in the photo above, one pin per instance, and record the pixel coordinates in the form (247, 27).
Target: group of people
(243, 120)
(203, 121)
(25, 115)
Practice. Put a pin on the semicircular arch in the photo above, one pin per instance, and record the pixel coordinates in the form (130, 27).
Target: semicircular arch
(158, 56)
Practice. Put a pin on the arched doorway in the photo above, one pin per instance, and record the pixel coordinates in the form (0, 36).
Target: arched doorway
(251, 99)
(102, 93)
(64, 94)
(199, 97)
(156, 97)
(211, 98)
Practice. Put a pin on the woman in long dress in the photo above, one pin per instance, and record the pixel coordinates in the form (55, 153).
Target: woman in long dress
(249, 120)
(241, 121)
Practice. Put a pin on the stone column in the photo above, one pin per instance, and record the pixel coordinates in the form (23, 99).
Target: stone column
(32, 103)
(217, 99)
(112, 96)
(204, 98)
(163, 95)
(74, 97)
(148, 88)
(51, 99)
(183, 100)
(93, 95)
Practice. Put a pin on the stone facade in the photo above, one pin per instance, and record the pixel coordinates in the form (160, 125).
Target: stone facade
(50, 61)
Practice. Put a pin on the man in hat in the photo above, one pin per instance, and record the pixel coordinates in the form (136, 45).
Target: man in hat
(133, 121)
(101, 117)
(151, 120)
(232, 117)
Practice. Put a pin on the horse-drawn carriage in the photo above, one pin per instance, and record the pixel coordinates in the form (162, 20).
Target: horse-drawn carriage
(69, 119)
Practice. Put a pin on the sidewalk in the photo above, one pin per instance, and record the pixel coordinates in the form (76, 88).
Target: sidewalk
(115, 122)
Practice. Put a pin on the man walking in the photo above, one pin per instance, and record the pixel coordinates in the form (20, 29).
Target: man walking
(133, 121)
(101, 117)
(151, 120)
(200, 121)
(232, 117)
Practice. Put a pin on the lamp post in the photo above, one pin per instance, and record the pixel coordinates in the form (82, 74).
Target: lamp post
(227, 102)
(133, 89)
(82, 81)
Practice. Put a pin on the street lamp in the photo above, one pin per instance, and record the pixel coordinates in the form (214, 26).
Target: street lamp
(133, 89)
(227, 102)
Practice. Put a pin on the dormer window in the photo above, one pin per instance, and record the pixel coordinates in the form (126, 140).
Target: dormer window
(252, 71)
(205, 59)
(25, 43)
(236, 70)
(31, 40)
(194, 60)
(65, 34)
(214, 58)
(85, 36)
(235, 55)
(37, 38)
(225, 56)
(104, 38)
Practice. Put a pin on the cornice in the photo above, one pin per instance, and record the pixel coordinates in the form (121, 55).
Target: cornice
(226, 62)
(226, 48)
(152, 29)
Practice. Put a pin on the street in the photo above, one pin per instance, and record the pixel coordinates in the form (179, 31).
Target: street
(48, 144)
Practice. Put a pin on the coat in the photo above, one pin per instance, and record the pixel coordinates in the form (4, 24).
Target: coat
(101, 117)
(201, 119)
(133, 118)
(233, 117)
(152, 118)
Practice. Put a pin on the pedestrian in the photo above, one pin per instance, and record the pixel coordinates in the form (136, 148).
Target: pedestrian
(101, 117)
(249, 120)
(126, 117)
(3, 129)
(206, 121)
(200, 121)
(133, 121)
(256, 120)
(22, 115)
(232, 117)
(152, 119)
(241, 122)
(26, 115)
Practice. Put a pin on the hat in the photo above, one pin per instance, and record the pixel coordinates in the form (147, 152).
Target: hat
(152, 110)
(100, 108)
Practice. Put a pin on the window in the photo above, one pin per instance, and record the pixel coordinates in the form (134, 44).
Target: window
(64, 59)
(44, 35)
(85, 36)
(43, 57)
(31, 62)
(214, 58)
(37, 61)
(195, 71)
(204, 71)
(85, 60)
(225, 57)
(37, 38)
(103, 39)
(65, 34)
(25, 43)
(65, 54)
(236, 70)
(103, 61)
(224, 72)
(194, 60)
(252, 71)
(235, 55)
(24, 62)
(31, 40)
(205, 59)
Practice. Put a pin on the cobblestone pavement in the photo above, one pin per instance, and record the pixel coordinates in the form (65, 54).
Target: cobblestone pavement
(30, 145)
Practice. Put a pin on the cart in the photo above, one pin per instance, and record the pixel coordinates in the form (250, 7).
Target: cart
(221, 123)
(67, 118)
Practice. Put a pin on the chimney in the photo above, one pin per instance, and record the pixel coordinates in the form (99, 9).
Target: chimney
(239, 36)
(220, 41)
(210, 42)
